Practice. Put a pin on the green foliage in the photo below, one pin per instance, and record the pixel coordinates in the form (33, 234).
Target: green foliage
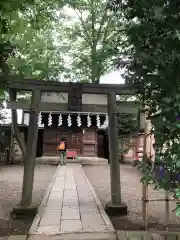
(27, 32)
(152, 63)
(74, 40)
(127, 124)
(2, 116)
(38, 58)
(92, 39)
(123, 150)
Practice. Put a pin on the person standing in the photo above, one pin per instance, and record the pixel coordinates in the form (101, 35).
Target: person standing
(62, 147)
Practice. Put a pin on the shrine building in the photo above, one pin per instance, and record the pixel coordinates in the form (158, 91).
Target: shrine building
(74, 116)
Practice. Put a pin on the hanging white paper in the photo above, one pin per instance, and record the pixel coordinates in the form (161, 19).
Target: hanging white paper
(60, 122)
(107, 119)
(49, 120)
(98, 123)
(79, 123)
(40, 124)
(39, 119)
(88, 120)
(69, 121)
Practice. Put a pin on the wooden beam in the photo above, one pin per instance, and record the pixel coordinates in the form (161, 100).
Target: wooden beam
(60, 107)
(56, 107)
(52, 86)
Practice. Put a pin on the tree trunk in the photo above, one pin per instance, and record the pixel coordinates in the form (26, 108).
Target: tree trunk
(94, 63)
(94, 45)
(15, 127)
(6, 70)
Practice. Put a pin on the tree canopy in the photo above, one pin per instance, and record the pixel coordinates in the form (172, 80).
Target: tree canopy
(91, 39)
(27, 32)
(152, 63)
(60, 40)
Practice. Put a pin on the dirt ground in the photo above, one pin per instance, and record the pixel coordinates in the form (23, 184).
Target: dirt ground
(11, 185)
(10, 195)
(99, 177)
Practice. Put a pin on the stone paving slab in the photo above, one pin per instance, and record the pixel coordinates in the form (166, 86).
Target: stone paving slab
(71, 209)
(70, 198)
(71, 225)
(50, 217)
(70, 213)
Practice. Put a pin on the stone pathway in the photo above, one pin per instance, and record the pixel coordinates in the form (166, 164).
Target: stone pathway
(71, 209)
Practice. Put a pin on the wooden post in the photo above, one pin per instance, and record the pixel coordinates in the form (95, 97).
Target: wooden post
(115, 207)
(11, 152)
(29, 161)
(144, 126)
(167, 209)
(114, 150)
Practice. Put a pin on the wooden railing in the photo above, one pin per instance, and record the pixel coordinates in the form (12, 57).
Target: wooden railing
(3, 157)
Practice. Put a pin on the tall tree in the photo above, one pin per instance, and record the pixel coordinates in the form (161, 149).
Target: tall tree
(152, 30)
(27, 45)
(91, 39)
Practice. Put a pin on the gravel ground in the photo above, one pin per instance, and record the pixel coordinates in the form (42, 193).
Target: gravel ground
(10, 195)
(131, 194)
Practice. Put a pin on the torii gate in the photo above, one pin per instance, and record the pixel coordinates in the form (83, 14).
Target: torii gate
(37, 87)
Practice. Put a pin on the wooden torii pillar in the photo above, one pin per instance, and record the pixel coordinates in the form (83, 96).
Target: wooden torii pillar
(25, 208)
(29, 164)
(115, 207)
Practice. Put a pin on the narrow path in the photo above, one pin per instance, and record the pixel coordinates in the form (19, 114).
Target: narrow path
(71, 209)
